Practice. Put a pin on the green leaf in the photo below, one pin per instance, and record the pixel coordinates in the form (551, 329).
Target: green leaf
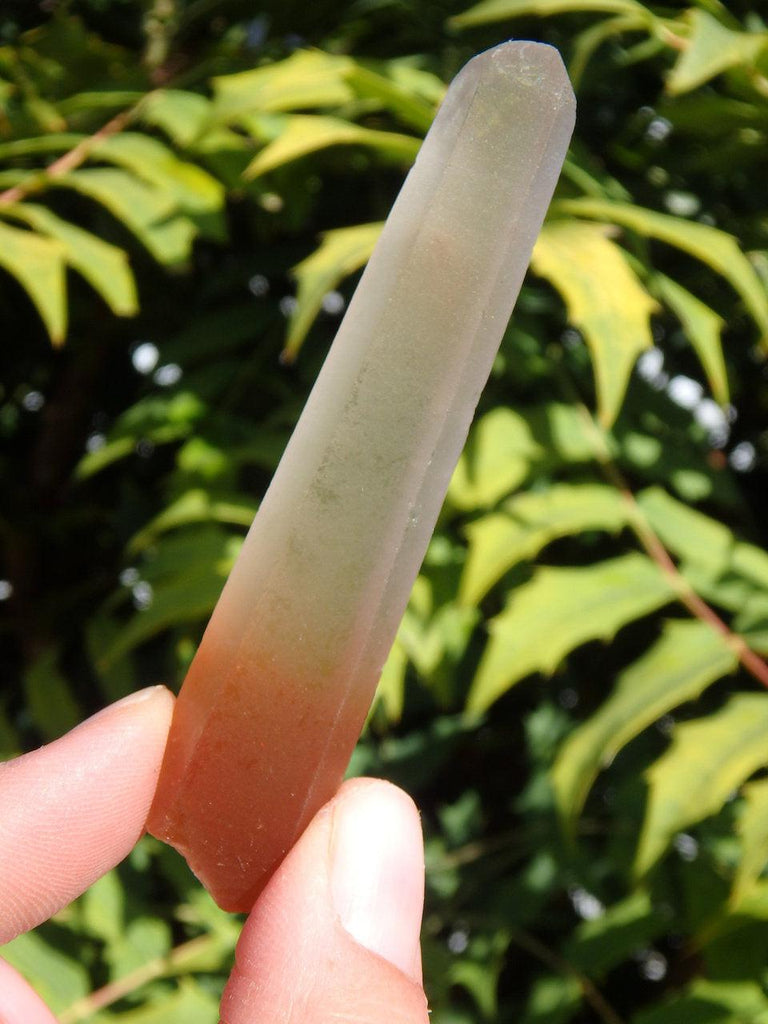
(159, 420)
(53, 143)
(121, 447)
(725, 571)
(340, 253)
(554, 999)
(309, 133)
(710, 1002)
(307, 80)
(182, 115)
(150, 213)
(496, 460)
(143, 941)
(150, 160)
(504, 445)
(689, 657)
(104, 266)
(9, 741)
(559, 609)
(604, 299)
(703, 328)
(102, 907)
(401, 97)
(431, 636)
(190, 1004)
(601, 944)
(38, 265)
(590, 40)
(183, 593)
(689, 534)
(752, 562)
(112, 99)
(501, 10)
(57, 978)
(44, 114)
(716, 248)
(49, 699)
(710, 117)
(390, 692)
(753, 836)
(707, 760)
(195, 506)
(527, 523)
(480, 980)
(710, 49)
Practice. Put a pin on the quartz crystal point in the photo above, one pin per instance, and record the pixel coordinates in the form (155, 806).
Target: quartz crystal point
(278, 692)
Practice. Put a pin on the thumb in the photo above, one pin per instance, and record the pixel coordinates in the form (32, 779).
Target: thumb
(335, 935)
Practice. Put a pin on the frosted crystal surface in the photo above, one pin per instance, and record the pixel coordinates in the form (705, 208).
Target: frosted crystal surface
(339, 539)
(322, 581)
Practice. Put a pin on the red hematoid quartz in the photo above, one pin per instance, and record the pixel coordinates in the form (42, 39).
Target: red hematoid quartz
(276, 696)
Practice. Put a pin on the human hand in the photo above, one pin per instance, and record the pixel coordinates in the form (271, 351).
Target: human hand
(335, 935)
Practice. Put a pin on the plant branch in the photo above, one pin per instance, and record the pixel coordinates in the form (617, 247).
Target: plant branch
(178, 957)
(655, 550)
(558, 963)
(73, 158)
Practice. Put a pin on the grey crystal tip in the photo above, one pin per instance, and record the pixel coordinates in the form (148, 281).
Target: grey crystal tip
(528, 64)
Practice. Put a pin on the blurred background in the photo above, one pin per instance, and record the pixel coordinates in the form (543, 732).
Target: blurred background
(576, 698)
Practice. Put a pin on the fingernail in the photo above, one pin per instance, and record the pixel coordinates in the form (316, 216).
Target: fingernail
(133, 698)
(377, 872)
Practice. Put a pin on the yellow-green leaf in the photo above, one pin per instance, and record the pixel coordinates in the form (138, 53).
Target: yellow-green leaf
(751, 562)
(340, 253)
(104, 266)
(182, 115)
(38, 264)
(56, 142)
(501, 10)
(707, 760)
(591, 39)
(703, 328)
(403, 100)
(152, 161)
(709, 1002)
(90, 101)
(716, 248)
(150, 213)
(689, 657)
(496, 460)
(44, 114)
(390, 693)
(189, 1002)
(307, 80)
(558, 610)
(102, 908)
(308, 133)
(710, 49)
(528, 522)
(58, 978)
(604, 299)
(688, 533)
(753, 835)
(504, 444)
(195, 506)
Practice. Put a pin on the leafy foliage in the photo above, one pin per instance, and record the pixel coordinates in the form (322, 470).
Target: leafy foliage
(575, 695)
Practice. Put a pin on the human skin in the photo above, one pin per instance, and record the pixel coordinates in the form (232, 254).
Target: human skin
(334, 936)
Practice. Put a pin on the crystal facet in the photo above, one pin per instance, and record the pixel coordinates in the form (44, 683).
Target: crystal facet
(279, 689)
